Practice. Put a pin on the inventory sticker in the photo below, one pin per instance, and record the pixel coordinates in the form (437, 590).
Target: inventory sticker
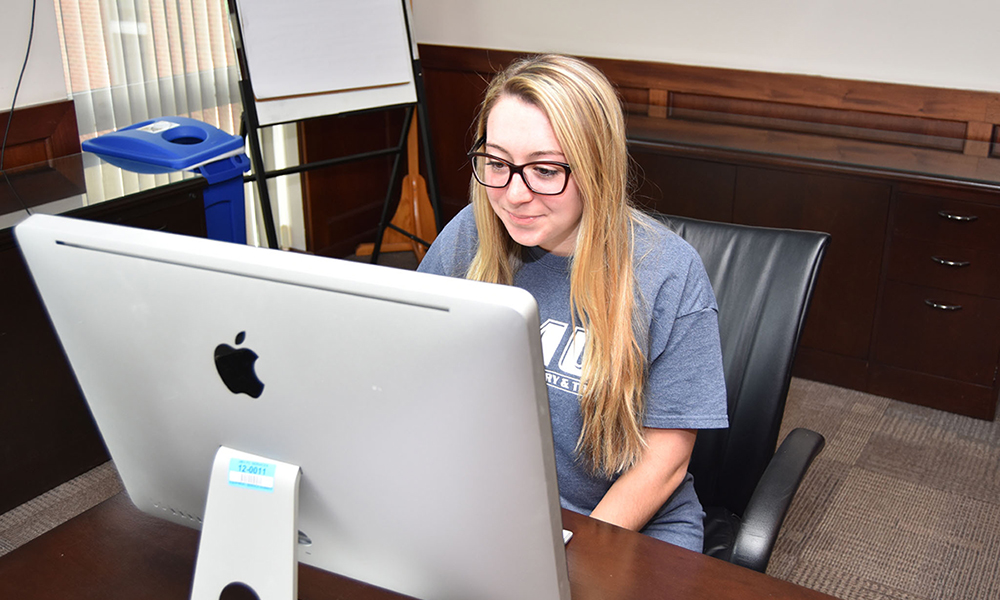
(251, 474)
(157, 126)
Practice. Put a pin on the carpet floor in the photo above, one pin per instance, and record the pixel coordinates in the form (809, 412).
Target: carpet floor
(902, 504)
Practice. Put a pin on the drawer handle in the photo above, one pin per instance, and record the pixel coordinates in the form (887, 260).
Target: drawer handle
(950, 263)
(954, 217)
(940, 306)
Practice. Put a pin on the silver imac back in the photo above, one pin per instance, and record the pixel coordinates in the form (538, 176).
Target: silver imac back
(414, 405)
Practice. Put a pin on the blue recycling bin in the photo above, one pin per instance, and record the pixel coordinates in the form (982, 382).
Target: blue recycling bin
(171, 144)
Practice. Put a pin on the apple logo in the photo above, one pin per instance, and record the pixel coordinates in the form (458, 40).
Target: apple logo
(236, 368)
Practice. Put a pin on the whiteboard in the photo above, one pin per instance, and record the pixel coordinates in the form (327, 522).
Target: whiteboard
(312, 58)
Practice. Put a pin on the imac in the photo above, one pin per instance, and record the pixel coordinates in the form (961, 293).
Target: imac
(386, 425)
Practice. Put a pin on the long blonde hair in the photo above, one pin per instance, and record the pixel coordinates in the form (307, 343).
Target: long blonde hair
(586, 115)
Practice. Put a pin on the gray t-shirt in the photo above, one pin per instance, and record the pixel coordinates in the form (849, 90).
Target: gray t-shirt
(678, 318)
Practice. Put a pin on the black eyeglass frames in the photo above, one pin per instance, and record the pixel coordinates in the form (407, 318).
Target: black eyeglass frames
(545, 177)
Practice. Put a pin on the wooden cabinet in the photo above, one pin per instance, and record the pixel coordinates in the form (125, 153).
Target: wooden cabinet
(699, 189)
(938, 332)
(907, 303)
(939, 321)
(854, 212)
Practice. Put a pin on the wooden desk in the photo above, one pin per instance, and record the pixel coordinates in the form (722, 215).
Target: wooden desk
(114, 551)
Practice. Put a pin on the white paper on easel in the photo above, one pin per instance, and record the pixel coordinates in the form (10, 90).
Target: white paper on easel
(306, 47)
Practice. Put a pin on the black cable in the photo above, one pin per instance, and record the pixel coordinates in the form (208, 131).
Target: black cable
(27, 53)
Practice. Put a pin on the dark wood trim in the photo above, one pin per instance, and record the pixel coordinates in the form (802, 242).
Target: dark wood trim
(793, 117)
(342, 203)
(939, 134)
(39, 133)
(792, 89)
(963, 398)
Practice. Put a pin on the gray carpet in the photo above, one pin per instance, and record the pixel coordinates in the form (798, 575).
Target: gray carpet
(35, 517)
(903, 503)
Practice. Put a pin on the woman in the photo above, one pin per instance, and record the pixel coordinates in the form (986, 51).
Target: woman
(629, 322)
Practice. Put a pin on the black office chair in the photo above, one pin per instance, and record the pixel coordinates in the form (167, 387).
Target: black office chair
(763, 280)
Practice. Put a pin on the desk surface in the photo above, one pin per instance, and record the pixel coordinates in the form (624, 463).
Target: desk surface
(115, 551)
(68, 183)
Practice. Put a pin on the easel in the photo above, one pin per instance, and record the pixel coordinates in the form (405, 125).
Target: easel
(424, 226)
(414, 225)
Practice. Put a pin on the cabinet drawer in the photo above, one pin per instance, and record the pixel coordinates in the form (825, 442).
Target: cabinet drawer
(957, 339)
(954, 222)
(944, 266)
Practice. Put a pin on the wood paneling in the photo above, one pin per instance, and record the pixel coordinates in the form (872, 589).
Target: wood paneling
(937, 134)
(343, 203)
(685, 187)
(854, 212)
(453, 99)
(38, 133)
(805, 90)
(916, 133)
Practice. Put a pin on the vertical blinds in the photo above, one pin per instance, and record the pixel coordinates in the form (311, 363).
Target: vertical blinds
(127, 61)
(131, 60)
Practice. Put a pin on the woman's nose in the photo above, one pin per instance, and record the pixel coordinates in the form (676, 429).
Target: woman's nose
(517, 189)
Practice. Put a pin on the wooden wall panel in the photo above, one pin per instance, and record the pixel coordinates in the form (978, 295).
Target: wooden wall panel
(684, 187)
(805, 90)
(940, 134)
(342, 204)
(38, 133)
(855, 126)
(855, 214)
(453, 99)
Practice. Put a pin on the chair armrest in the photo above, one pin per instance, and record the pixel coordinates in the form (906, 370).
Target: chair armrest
(771, 498)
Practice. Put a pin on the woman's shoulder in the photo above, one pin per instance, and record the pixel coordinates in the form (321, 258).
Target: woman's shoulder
(656, 243)
(668, 268)
(453, 248)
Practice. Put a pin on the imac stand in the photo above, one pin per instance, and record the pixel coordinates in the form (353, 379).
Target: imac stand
(250, 529)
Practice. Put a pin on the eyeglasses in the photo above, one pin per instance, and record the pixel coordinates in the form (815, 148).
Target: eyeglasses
(544, 177)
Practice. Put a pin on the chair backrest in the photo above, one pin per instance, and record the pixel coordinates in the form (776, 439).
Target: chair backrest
(763, 280)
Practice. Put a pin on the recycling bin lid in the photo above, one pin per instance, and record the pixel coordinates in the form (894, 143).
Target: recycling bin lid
(165, 144)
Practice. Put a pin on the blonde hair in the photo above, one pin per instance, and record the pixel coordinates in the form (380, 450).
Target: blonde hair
(587, 119)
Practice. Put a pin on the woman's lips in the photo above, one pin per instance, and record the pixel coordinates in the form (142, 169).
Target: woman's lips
(521, 219)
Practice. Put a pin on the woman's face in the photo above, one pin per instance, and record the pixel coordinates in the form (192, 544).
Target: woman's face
(521, 133)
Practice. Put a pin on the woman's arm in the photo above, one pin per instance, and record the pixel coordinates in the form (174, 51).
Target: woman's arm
(639, 492)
